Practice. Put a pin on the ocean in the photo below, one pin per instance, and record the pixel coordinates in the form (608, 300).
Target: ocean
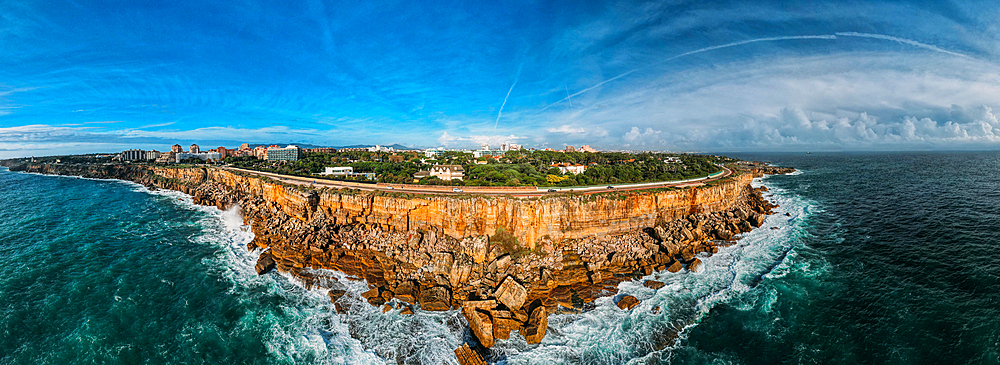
(871, 258)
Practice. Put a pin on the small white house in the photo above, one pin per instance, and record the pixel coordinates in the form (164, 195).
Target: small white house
(339, 171)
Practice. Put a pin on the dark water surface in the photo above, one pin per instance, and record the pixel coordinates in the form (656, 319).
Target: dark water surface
(882, 258)
(910, 245)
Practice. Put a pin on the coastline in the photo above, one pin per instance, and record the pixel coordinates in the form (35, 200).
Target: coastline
(567, 280)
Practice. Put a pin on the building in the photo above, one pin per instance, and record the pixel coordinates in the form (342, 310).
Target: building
(245, 146)
(570, 149)
(321, 150)
(486, 146)
(347, 171)
(167, 157)
(204, 156)
(194, 149)
(586, 148)
(289, 153)
(379, 148)
(152, 155)
(433, 153)
(260, 152)
(354, 149)
(338, 171)
(481, 153)
(176, 149)
(514, 147)
(223, 152)
(448, 172)
(570, 168)
(133, 155)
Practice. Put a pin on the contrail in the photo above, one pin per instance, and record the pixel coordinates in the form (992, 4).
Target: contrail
(904, 41)
(499, 113)
(772, 39)
(706, 49)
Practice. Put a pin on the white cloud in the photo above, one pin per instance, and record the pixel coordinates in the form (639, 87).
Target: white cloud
(447, 140)
(842, 101)
(568, 129)
(635, 136)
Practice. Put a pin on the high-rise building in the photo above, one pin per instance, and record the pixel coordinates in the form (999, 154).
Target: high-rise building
(289, 153)
(194, 149)
(133, 155)
(245, 146)
(176, 149)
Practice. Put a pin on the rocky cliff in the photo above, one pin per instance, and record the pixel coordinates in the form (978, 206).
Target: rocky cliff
(508, 262)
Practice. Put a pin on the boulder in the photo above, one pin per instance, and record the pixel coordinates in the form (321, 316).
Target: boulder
(696, 265)
(675, 267)
(627, 302)
(538, 323)
(653, 284)
(265, 263)
(480, 304)
(503, 326)
(373, 297)
(406, 292)
(511, 293)
(335, 294)
(435, 299)
(466, 356)
(480, 324)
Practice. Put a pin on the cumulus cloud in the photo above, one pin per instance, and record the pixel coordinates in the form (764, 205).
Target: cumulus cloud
(635, 136)
(793, 128)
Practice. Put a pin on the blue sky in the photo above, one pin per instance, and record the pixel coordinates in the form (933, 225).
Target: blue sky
(91, 76)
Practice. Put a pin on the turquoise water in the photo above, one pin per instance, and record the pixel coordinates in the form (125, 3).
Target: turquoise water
(872, 258)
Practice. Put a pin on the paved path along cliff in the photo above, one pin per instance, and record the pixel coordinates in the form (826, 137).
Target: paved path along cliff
(507, 262)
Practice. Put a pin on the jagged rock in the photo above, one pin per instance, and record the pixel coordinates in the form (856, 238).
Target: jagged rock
(480, 324)
(336, 294)
(538, 323)
(461, 270)
(373, 297)
(480, 248)
(406, 292)
(435, 299)
(511, 293)
(406, 311)
(627, 302)
(466, 356)
(695, 266)
(653, 284)
(265, 263)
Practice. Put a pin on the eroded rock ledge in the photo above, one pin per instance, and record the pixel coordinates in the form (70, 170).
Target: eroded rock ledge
(506, 262)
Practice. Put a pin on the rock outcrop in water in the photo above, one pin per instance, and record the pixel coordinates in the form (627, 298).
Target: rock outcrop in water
(506, 262)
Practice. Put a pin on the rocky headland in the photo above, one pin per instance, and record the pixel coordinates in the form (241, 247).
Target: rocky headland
(506, 262)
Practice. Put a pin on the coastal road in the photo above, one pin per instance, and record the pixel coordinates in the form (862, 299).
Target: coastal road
(305, 181)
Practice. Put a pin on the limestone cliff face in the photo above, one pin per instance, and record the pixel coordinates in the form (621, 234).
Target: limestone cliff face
(529, 220)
